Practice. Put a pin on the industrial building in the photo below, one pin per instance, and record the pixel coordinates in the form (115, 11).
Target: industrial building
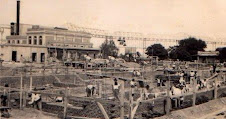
(40, 43)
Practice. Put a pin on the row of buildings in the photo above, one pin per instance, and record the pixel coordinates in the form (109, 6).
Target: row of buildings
(39, 44)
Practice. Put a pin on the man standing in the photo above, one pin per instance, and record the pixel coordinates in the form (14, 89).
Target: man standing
(116, 87)
(192, 77)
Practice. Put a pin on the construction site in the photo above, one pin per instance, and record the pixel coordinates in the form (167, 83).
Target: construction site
(57, 73)
(54, 80)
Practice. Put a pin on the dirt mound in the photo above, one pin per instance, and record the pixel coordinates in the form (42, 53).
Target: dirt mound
(198, 111)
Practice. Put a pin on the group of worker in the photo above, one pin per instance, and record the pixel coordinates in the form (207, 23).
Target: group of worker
(136, 73)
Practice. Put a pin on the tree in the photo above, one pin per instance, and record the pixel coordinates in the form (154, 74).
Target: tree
(187, 49)
(157, 50)
(108, 48)
(180, 53)
(222, 54)
(192, 45)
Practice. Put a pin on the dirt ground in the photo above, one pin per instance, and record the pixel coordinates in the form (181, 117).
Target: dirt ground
(29, 113)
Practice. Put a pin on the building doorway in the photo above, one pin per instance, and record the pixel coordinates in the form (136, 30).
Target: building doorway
(34, 57)
(59, 54)
(42, 57)
(14, 56)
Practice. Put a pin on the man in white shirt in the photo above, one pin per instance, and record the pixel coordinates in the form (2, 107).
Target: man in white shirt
(90, 90)
(192, 77)
(116, 87)
(36, 100)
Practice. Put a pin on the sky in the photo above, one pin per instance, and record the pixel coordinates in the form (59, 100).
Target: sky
(194, 17)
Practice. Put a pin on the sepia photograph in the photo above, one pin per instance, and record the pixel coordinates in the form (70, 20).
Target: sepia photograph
(112, 59)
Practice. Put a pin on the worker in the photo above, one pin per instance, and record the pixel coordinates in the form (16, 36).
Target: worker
(116, 87)
(36, 100)
(214, 67)
(158, 82)
(60, 98)
(146, 94)
(174, 66)
(192, 77)
(138, 73)
(182, 81)
(4, 97)
(181, 101)
(90, 90)
(134, 73)
(3, 100)
(133, 85)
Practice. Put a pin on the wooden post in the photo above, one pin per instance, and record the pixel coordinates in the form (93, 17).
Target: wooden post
(21, 86)
(9, 98)
(24, 96)
(100, 89)
(131, 102)
(65, 102)
(31, 81)
(136, 107)
(168, 101)
(103, 110)
(122, 92)
(194, 91)
(224, 77)
(215, 88)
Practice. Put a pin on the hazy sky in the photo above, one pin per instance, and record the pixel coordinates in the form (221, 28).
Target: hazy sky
(196, 17)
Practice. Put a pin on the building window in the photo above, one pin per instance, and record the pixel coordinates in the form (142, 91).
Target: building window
(9, 41)
(13, 42)
(35, 40)
(29, 39)
(82, 46)
(40, 40)
(18, 41)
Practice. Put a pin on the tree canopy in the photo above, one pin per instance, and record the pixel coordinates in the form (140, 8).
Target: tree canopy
(187, 49)
(108, 48)
(157, 50)
(222, 54)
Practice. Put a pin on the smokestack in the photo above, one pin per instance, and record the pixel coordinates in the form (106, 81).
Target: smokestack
(18, 18)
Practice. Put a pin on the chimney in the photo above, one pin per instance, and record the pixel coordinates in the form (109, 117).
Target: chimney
(18, 18)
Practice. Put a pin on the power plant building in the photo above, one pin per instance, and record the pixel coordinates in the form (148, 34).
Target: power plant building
(41, 43)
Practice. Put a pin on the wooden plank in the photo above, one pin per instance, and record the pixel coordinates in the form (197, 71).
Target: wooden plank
(130, 102)
(215, 88)
(122, 93)
(194, 91)
(62, 105)
(65, 102)
(168, 101)
(31, 81)
(103, 110)
(135, 108)
(21, 90)
(9, 98)
(24, 96)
